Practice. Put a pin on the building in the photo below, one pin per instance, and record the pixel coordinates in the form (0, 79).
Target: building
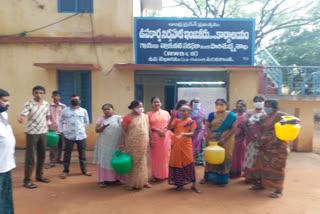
(87, 47)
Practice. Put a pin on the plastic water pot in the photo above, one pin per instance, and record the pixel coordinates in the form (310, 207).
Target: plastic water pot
(52, 139)
(214, 154)
(287, 132)
(121, 162)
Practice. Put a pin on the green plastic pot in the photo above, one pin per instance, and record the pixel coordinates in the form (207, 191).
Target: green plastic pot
(52, 139)
(121, 162)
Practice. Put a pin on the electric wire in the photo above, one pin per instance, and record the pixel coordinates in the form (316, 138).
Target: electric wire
(40, 28)
(95, 47)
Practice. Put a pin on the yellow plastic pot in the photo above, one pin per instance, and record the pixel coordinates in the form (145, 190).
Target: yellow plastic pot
(214, 154)
(287, 132)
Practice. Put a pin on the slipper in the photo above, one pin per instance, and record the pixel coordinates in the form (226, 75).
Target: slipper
(203, 181)
(195, 189)
(63, 175)
(87, 173)
(179, 189)
(275, 195)
(147, 186)
(30, 185)
(50, 166)
(129, 188)
(43, 180)
(256, 187)
(102, 185)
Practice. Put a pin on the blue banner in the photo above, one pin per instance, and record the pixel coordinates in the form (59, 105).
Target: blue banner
(194, 41)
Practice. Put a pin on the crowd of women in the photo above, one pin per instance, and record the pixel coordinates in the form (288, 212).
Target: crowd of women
(169, 146)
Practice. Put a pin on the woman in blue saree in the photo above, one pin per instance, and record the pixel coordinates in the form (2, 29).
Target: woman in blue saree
(221, 126)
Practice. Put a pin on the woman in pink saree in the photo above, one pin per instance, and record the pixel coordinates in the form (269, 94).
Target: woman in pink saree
(160, 151)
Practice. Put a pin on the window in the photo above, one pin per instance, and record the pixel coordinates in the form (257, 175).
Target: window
(76, 82)
(75, 6)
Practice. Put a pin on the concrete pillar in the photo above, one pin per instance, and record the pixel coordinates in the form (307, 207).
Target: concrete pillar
(304, 141)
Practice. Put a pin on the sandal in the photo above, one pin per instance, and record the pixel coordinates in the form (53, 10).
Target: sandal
(30, 185)
(195, 189)
(275, 195)
(43, 180)
(256, 187)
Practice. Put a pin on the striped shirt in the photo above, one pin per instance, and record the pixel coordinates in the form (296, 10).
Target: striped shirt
(73, 123)
(37, 116)
(55, 112)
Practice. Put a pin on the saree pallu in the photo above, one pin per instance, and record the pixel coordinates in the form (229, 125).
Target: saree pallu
(136, 144)
(198, 140)
(251, 153)
(272, 156)
(181, 163)
(6, 198)
(160, 151)
(239, 149)
(219, 173)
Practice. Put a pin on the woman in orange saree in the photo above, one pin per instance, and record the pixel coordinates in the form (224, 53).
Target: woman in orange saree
(159, 153)
(181, 163)
(137, 133)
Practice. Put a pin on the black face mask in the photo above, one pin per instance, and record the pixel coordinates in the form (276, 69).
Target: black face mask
(75, 102)
(3, 108)
(240, 110)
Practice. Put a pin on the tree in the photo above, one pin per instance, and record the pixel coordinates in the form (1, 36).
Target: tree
(272, 16)
(299, 47)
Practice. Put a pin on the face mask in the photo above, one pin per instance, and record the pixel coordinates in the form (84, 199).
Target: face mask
(139, 110)
(268, 110)
(240, 110)
(258, 105)
(3, 108)
(220, 108)
(196, 105)
(75, 102)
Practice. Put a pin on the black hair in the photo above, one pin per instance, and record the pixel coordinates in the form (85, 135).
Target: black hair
(258, 98)
(153, 98)
(74, 95)
(55, 93)
(191, 102)
(38, 88)
(241, 102)
(4, 93)
(222, 100)
(181, 103)
(107, 105)
(134, 104)
(273, 103)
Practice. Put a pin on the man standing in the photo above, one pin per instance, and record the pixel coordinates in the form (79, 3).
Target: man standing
(56, 108)
(37, 111)
(72, 125)
(7, 160)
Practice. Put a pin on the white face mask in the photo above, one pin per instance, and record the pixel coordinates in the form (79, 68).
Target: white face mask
(196, 106)
(258, 105)
(139, 110)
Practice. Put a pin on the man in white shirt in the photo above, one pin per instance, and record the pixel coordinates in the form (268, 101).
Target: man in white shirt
(72, 125)
(7, 159)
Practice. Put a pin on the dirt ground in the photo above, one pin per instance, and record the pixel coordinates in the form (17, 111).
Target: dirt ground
(80, 194)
